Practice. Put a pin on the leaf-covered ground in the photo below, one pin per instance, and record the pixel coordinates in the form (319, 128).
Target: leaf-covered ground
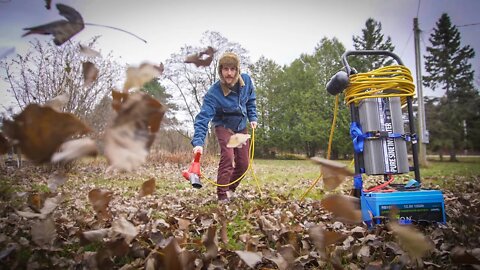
(89, 219)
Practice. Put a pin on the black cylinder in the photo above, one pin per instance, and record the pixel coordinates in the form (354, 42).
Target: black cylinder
(338, 83)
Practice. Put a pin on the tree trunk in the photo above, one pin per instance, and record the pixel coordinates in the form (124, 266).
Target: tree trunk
(453, 156)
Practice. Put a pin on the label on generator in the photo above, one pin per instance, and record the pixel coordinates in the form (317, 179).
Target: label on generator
(389, 150)
(415, 212)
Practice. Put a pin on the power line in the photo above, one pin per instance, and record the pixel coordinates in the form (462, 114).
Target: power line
(418, 7)
(470, 24)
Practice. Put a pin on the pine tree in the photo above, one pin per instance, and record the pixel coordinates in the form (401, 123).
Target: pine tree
(372, 39)
(448, 68)
(446, 62)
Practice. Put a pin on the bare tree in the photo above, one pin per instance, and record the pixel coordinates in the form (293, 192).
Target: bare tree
(47, 71)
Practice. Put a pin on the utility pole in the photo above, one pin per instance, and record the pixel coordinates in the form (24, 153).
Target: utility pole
(422, 140)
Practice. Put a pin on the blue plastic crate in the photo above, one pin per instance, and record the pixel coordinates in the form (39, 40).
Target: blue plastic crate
(413, 206)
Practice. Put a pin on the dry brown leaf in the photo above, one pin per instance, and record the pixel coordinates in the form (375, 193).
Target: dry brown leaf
(411, 240)
(223, 231)
(41, 130)
(89, 52)
(48, 206)
(48, 4)
(90, 73)
(137, 77)
(125, 229)
(58, 103)
(249, 258)
(343, 207)
(183, 223)
(201, 59)
(128, 140)
(75, 149)
(62, 30)
(94, 235)
(148, 188)
(118, 98)
(35, 201)
(460, 255)
(322, 238)
(209, 239)
(171, 256)
(333, 172)
(100, 198)
(44, 232)
(238, 140)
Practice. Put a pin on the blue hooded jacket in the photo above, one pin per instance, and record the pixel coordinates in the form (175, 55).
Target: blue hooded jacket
(230, 111)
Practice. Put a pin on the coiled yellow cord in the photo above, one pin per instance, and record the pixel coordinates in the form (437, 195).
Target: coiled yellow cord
(390, 81)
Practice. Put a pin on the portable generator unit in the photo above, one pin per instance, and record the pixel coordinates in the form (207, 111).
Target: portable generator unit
(380, 139)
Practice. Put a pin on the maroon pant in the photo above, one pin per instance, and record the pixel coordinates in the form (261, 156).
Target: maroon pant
(227, 172)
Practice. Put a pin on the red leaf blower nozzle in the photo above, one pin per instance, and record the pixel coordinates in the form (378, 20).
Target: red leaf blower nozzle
(193, 173)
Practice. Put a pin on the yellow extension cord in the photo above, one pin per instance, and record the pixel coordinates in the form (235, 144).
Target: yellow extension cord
(250, 167)
(390, 81)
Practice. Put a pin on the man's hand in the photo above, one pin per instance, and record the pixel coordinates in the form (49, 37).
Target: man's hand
(253, 124)
(198, 149)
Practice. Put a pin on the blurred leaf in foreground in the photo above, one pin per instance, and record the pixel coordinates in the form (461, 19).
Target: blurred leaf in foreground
(334, 173)
(128, 140)
(62, 30)
(39, 131)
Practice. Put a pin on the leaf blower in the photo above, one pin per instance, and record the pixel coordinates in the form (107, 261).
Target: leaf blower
(193, 173)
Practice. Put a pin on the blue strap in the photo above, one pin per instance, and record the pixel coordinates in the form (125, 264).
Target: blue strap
(412, 183)
(357, 137)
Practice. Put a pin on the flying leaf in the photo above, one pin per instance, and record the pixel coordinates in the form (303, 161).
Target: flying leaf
(124, 228)
(209, 239)
(129, 139)
(118, 98)
(224, 231)
(322, 238)
(89, 52)
(148, 188)
(238, 140)
(343, 207)
(171, 256)
(44, 232)
(48, 206)
(48, 4)
(411, 240)
(249, 258)
(58, 103)
(94, 235)
(100, 198)
(41, 130)
(334, 173)
(75, 149)
(201, 59)
(137, 77)
(90, 73)
(62, 30)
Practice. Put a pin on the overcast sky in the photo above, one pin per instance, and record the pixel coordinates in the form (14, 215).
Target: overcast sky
(279, 30)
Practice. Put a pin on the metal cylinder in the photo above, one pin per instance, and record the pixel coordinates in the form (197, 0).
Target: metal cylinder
(383, 155)
(195, 180)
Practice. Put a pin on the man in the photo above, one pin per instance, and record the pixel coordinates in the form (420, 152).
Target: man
(229, 103)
